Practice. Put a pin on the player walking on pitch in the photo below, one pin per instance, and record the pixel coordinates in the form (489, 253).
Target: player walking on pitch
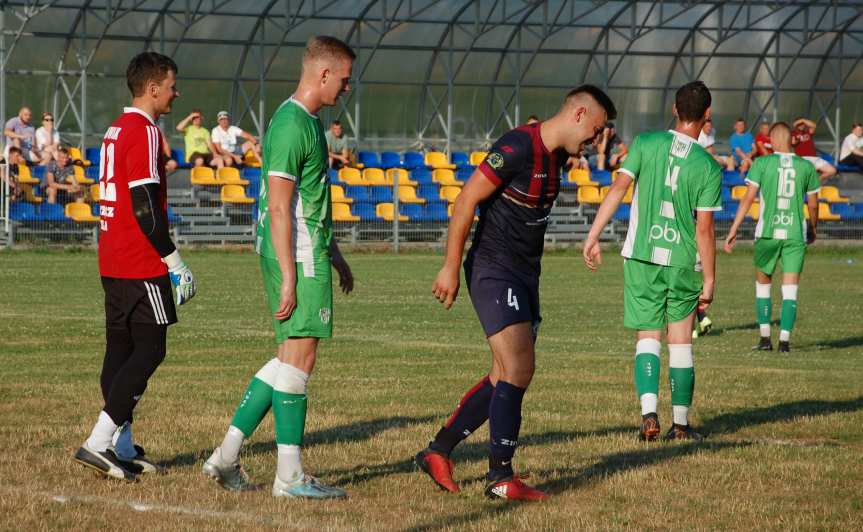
(297, 249)
(784, 182)
(138, 263)
(674, 177)
(515, 188)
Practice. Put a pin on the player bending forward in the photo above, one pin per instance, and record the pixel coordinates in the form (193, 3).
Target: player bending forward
(784, 181)
(297, 249)
(674, 177)
(515, 188)
(138, 264)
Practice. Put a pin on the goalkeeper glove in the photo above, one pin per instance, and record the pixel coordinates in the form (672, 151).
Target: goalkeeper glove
(181, 277)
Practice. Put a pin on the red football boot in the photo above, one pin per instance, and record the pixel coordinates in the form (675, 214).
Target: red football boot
(438, 467)
(513, 488)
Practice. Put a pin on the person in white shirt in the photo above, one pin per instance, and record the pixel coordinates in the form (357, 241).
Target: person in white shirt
(706, 139)
(225, 138)
(47, 139)
(852, 147)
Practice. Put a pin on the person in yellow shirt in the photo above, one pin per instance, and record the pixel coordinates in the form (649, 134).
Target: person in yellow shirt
(199, 147)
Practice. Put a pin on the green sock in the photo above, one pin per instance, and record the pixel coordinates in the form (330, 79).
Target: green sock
(789, 315)
(254, 406)
(682, 382)
(646, 374)
(289, 412)
(763, 310)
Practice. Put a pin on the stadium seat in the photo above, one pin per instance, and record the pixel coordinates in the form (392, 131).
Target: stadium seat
(402, 175)
(422, 176)
(627, 198)
(30, 194)
(351, 176)
(825, 214)
(203, 175)
(754, 210)
(381, 194)
(726, 194)
(52, 212)
(451, 207)
(412, 211)
(80, 212)
(603, 192)
(251, 160)
(434, 211)
(477, 157)
(848, 168)
(342, 213)
(369, 159)
(846, 211)
(386, 211)
(464, 173)
(724, 216)
(94, 155)
(338, 195)
(413, 159)
(173, 218)
(358, 193)
(230, 176)
(603, 177)
(22, 211)
(391, 159)
(460, 159)
(25, 177)
(429, 192)
(374, 176)
(580, 176)
(449, 193)
(39, 172)
(732, 178)
(738, 192)
(80, 177)
(94, 193)
(251, 173)
(366, 212)
(235, 194)
(409, 195)
(589, 194)
(92, 172)
(446, 178)
(76, 155)
(437, 159)
(622, 213)
(831, 194)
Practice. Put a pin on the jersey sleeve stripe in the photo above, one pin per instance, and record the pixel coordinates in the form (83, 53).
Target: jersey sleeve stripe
(816, 191)
(283, 175)
(487, 171)
(145, 181)
(708, 208)
(153, 139)
(627, 172)
(748, 182)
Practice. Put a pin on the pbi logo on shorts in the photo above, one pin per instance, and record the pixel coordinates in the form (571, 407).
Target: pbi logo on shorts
(325, 315)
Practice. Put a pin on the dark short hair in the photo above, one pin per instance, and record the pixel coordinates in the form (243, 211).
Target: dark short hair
(336, 123)
(740, 119)
(327, 47)
(533, 117)
(15, 149)
(692, 101)
(597, 94)
(148, 66)
(856, 124)
(63, 149)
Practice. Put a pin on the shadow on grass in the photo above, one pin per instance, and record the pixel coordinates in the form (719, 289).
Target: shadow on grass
(717, 331)
(840, 343)
(734, 421)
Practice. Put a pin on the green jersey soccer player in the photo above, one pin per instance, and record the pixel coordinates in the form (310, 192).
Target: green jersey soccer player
(677, 189)
(784, 182)
(296, 248)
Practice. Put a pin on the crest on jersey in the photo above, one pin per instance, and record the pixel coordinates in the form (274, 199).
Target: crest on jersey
(495, 160)
(325, 315)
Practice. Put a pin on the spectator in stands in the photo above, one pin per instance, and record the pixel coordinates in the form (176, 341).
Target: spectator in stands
(803, 140)
(532, 119)
(47, 138)
(14, 158)
(742, 146)
(21, 134)
(225, 138)
(762, 140)
(338, 145)
(199, 147)
(852, 147)
(706, 139)
(62, 185)
(612, 148)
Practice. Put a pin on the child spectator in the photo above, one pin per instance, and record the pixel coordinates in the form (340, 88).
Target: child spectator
(62, 185)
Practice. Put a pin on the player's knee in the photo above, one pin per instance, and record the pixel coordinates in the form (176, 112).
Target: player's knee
(291, 379)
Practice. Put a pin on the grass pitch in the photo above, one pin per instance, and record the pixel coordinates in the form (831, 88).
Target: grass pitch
(785, 433)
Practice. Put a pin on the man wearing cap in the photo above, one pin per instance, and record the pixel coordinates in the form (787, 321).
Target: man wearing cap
(226, 141)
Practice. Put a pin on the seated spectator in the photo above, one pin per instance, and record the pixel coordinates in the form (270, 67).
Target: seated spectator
(742, 146)
(706, 139)
(590, 152)
(199, 147)
(762, 140)
(614, 148)
(14, 159)
(803, 140)
(62, 186)
(21, 134)
(47, 138)
(338, 146)
(852, 147)
(226, 143)
(532, 119)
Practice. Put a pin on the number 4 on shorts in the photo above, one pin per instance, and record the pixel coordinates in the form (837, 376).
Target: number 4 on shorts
(511, 300)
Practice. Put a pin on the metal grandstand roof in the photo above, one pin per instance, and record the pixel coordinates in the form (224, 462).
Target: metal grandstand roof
(444, 69)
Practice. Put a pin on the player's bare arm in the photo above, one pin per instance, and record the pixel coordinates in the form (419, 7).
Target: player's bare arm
(742, 209)
(446, 284)
(346, 276)
(812, 207)
(591, 252)
(281, 225)
(705, 242)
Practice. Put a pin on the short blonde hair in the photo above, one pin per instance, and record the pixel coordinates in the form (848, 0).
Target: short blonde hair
(324, 47)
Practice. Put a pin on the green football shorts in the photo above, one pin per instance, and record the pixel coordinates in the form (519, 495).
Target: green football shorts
(313, 316)
(655, 295)
(769, 250)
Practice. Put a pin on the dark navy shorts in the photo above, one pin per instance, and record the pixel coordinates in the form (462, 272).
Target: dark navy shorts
(502, 298)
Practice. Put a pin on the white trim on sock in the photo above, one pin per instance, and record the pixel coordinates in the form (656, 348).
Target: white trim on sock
(268, 372)
(648, 346)
(290, 467)
(103, 433)
(679, 355)
(789, 291)
(764, 329)
(229, 451)
(784, 336)
(290, 379)
(762, 291)
(680, 414)
(649, 402)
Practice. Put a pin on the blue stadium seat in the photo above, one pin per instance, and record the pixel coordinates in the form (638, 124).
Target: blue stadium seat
(460, 159)
(414, 159)
(179, 156)
(726, 194)
(358, 193)
(51, 212)
(366, 211)
(391, 159)
(463, 173)
(92, 172)
(22, 211)
(732, 178)
(421, 176)
(429, 191)
(858, 207)
(725, 215)
(434, 211)
(622, 213)
(414, 212)
(848, 168)
(251, 174)
(603, 177)
(827, 157)
(96, 209)
(174, 218)
(382, 194)
(94, 155)
(39, 172)
(369, 159)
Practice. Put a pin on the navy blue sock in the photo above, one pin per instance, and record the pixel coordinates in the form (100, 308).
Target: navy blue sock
(504, 415)
(469, 415)
(700, 314)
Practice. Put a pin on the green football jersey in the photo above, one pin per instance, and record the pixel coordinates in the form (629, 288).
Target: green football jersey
(295, 148)
(783, 180)
(674, 177)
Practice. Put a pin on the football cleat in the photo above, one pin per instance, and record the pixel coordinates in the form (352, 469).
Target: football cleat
(682, 432)
(140, 463)
(105, 462)
(307, 487)
(649, 428)
(231, 477)
(439, 467)
(704, 326)
(784, 347)
(764, 344)
(514, 489)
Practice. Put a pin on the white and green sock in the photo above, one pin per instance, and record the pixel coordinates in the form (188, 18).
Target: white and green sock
(289, 411)
(789, 311)
(647, 374)
(763, 307)
(681, 377)
(253, 407)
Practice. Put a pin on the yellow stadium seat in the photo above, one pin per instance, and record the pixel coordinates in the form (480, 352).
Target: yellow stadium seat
(603, 192)
(589, 194)
(738, 192)
(446, 178)
(831, 195)
(627, 198)
(230, 176)
(437, 159)
(235, 194)
(754, 210)
(342, 213)
(80, 212)
(94, 193)
(449, 193)
(203, 175)
(477, 157)
(409, 195)
(374, 176)
(580, 176)
(824, 213)
(75, 154)
(79, 175)
(403, 177)
(450, 208)
(250, 159)
(351, 176)
(30, 195)
(385, 211)
(337, 193)
(25, 177)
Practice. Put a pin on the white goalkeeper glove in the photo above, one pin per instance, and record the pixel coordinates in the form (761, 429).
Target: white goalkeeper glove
(181, 277)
